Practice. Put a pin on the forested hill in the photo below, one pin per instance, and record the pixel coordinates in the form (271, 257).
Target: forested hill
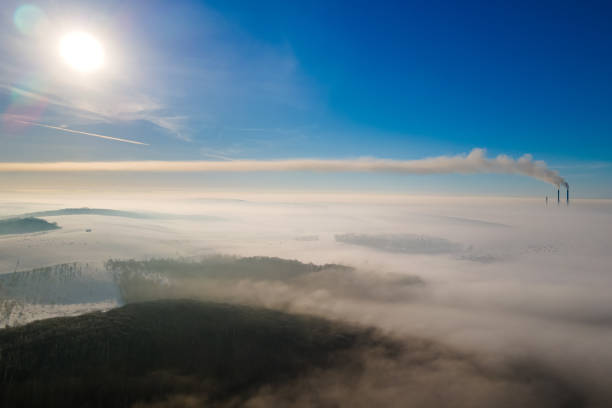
(147, 351)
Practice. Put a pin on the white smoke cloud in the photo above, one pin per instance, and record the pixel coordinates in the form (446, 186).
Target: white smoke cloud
(472, 163)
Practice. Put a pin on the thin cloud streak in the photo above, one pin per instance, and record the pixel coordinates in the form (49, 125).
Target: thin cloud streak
(473, 163)
(78, 132)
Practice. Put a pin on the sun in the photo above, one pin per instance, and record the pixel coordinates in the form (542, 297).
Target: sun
(82, 51)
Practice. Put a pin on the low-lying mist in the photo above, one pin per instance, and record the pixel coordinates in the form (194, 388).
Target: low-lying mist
(185, 353)
(515, 292)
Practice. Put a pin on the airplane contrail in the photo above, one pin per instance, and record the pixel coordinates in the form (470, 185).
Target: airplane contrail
(472, 163)
(78, 132)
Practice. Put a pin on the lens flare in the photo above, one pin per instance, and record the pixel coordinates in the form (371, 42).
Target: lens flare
(82, 52)
(29, 19)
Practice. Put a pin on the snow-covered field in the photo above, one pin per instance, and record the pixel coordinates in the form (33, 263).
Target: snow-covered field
(60, 290)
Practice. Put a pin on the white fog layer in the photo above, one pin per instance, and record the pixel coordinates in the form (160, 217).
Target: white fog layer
(500, 278)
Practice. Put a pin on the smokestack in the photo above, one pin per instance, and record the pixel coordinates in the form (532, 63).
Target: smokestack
(558, 195)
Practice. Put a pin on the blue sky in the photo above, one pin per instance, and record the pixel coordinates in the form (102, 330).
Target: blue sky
(276, 79)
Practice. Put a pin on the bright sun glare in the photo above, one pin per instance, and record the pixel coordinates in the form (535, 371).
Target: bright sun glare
(82, 51)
